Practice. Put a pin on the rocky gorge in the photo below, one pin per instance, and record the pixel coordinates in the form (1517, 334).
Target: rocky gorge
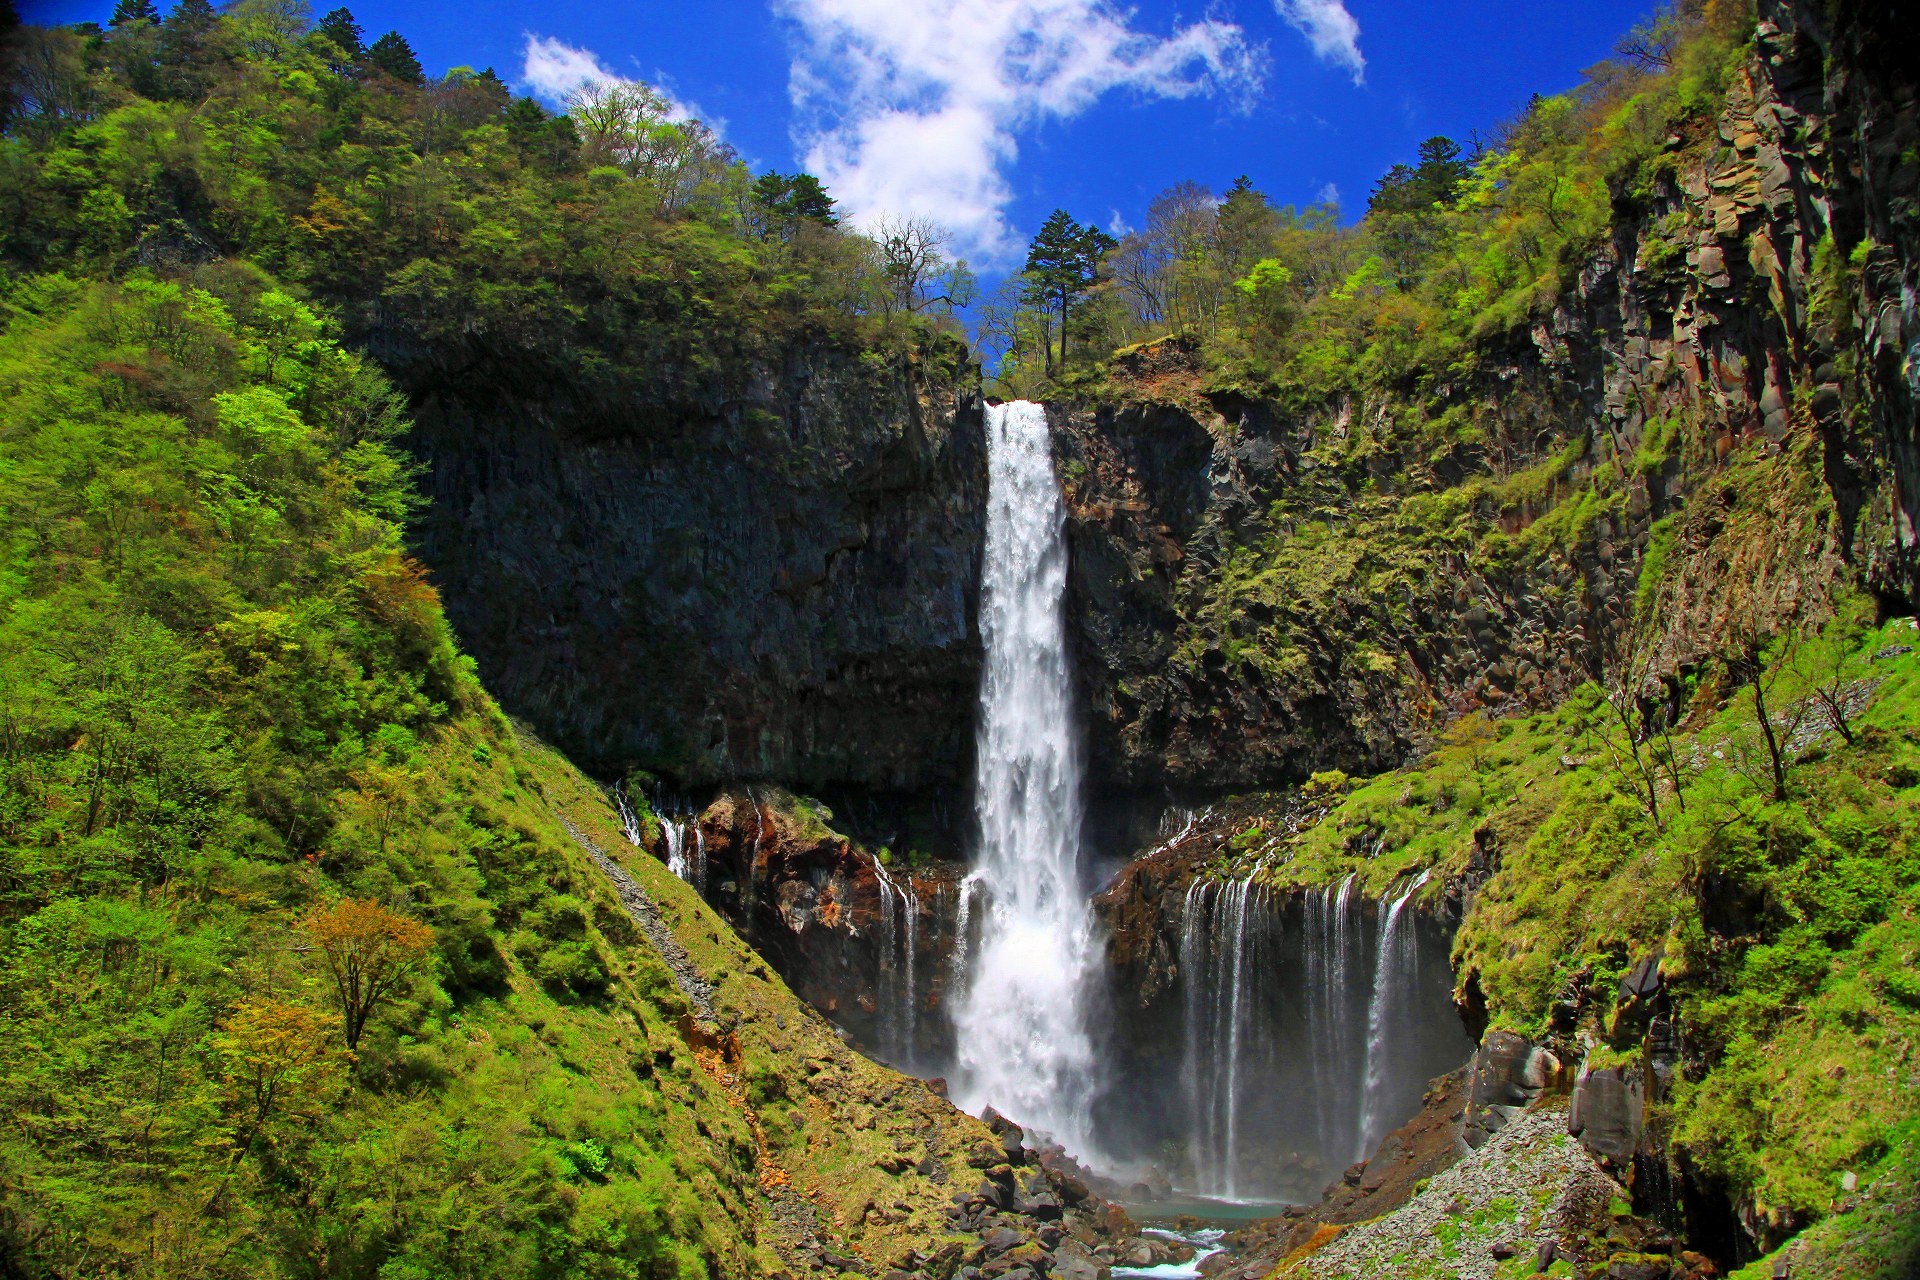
(1398, 756)
(773, 584)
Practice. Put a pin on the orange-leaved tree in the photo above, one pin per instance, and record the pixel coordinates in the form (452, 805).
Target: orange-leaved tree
(276, 1055)
(368, 949)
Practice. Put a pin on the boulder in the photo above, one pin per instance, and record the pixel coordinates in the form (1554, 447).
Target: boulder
(1001, 1239)
(1643, 980)
(1606, 1114)
(1506, 1075)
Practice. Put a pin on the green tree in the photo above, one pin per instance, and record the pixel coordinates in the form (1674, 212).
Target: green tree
(346, 42)
(548, 142)
(1407, 210)
(1247, 224)
(1063, 263)
(192, 50)
(134, 11)
(789, 200)
(392, 55)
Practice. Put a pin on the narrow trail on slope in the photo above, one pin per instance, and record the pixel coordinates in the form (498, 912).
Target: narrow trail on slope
(645, 914)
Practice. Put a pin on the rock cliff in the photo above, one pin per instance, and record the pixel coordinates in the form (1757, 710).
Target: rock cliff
(769, 574)
(1264, 590)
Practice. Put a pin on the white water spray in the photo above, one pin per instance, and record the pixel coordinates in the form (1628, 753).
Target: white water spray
(1393, 965)
(1020, 1023)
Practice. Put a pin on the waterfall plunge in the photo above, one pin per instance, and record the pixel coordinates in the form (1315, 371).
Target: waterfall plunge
(1020, 1023)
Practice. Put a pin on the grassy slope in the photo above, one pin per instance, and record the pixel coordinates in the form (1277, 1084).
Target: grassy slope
(226, 697)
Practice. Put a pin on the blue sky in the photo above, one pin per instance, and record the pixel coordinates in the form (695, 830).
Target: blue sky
(986, 114)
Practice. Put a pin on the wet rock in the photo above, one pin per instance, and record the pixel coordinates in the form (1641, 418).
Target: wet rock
(1606, 1114)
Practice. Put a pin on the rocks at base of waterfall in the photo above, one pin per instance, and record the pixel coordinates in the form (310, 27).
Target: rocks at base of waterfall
(1076, 1182)
(1507, 1073)
(1074, 1261)
(1607, 1114)
(1001, 1239)
(1012, 1136)
(1038, 1199)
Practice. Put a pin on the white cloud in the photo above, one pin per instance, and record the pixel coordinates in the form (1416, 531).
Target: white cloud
(553, 69)
(1330, 29)
(1118, 227)
(1329, 194)
(911, 108)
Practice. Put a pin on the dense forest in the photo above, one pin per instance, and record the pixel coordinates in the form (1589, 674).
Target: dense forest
(310, 964)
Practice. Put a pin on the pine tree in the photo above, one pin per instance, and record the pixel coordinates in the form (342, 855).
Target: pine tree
(1245, 224)
(134, 11)
(1063, 262)
(392, 54)
(339, 28)
(190, 49)
(793, 198)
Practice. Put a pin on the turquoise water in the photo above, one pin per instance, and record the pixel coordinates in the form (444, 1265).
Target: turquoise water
(1211, 1212)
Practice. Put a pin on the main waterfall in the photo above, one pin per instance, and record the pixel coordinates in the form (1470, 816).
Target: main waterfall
(1020, 1022)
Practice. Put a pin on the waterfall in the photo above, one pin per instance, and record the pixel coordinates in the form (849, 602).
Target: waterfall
(1393, 975)
(676, 846)
(1224, 960)
(963, 929)
(678, 821)
(1331, 1029)
(900, 938)
(1310, 1027)
(1020, 1021)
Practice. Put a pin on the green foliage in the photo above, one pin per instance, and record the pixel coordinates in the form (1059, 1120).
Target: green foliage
(227, 696)
(1062, 264)
(608, 242)
(1454, 249)
(1788, 926)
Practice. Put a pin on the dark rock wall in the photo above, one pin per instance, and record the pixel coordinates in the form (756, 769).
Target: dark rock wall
(772, 577)
(865, 943)
(1708, 306)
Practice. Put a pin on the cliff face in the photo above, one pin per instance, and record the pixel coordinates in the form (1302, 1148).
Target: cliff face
(772, 574)
(1256, 595)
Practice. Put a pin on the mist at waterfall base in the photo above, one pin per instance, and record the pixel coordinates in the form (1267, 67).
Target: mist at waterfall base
(1021, 1039)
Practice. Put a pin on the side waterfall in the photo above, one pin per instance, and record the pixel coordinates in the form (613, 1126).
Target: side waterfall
(899, 940)
(1223, 1013)
(1395, 970)
(679, 830)
(1311, 1027)
(1020, 1020)
(1333, 1033)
